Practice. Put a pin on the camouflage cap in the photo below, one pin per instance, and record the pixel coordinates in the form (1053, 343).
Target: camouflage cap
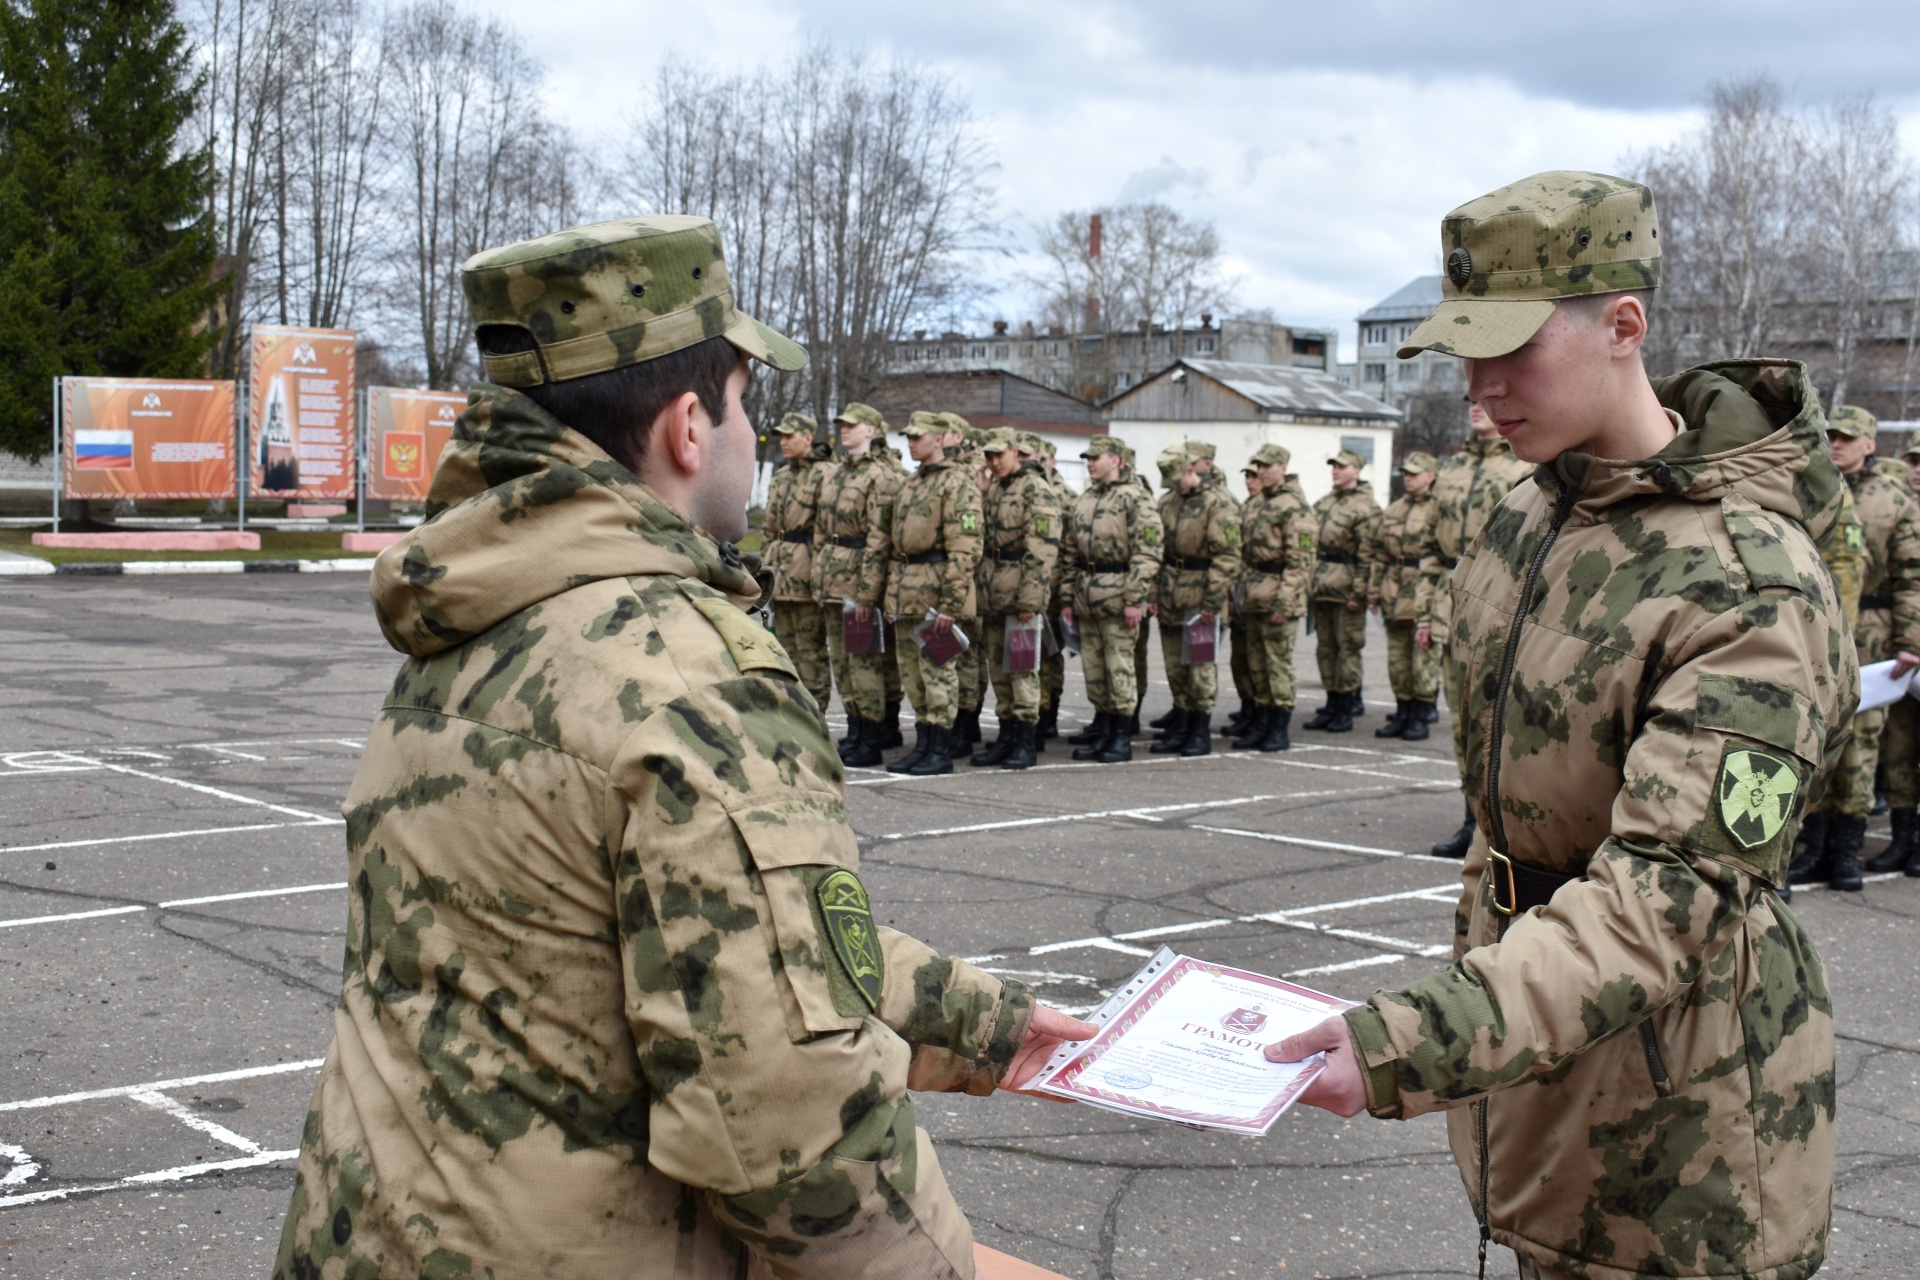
(1049, 449)
(1852, 421)
(998, 440)
(1030, 444)
(922, 422)
(1100, 445)
(612, 294)
(1271, 454)
(1196, 450)
(954, 422)
(795, 423)
(1251, 469)
(1346, 458)
(1126, 453)
(1171, 460)
(864, 415)
(1418, 464)
(1513, 254)
(1913, 448)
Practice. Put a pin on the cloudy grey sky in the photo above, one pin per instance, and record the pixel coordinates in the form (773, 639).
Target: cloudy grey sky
(1323, 140)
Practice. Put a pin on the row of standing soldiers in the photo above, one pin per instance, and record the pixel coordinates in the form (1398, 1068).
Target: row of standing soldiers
(984, 534)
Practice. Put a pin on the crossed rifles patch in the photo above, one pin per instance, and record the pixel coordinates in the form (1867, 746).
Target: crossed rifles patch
(849, 919)
(1757, 793)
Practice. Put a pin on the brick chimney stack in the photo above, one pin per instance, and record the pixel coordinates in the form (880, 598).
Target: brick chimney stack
(1093, 261)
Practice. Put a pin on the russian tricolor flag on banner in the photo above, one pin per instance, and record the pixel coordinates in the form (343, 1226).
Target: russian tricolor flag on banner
(102, 449)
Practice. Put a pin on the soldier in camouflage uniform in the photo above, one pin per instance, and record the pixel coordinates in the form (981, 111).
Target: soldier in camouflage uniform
(1238, 666)
(1170, 463)
(849, 563)
(1053, 671)
(1900, 760)
(614, 1000)
(1888, 627)
(1276, 536)
(1398, 550)
(793, 504)
(1466, 491)
(1019, 564)
(1109, 558)
(932, 549)
(1634, 1044)
(1344, 521)
(1199, 562)
(963, 444)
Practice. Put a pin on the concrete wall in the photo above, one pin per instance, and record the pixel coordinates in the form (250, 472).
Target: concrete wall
(1236, 442)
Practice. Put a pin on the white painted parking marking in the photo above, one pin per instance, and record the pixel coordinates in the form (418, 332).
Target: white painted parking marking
(21, 1167)
(1370, 850)
(179, 1173)
(1136, 812)
(175, 902)
(155, 1086)
(314, 818)
(1364, 962)
(155, 835)
(218, 1132)
(71, 915)
(225, 751)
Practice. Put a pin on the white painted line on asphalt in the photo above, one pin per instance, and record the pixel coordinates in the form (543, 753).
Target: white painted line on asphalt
(218, 1132)
(21, 1167)
(316, 819)
(155, 1086)
(1275, 757)
(176, 902)
(1364, 962)
(1135, 812)
(1101, 944)
(225, 751)
(179, 1173)
(157, 835)
(1337, 847)
(1400, 945)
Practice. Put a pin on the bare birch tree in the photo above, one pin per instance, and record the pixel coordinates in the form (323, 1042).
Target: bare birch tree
(1856, 263)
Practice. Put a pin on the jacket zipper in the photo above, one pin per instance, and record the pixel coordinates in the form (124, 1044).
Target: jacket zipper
(1656, 1065)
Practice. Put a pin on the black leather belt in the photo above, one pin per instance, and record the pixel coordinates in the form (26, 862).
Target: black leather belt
(1008, 557)
(1453, 562)
(1518, 887)
(801, 535)
(1409, 562)
(1108, 566)
(857, 541)
(1188, 562)
(1270, 566)
(926, 557)
(1878, 600)
(1335, 557)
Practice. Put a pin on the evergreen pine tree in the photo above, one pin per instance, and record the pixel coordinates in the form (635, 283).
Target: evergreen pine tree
(106, 233)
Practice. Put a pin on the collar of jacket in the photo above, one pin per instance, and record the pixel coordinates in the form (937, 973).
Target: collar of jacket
(1490, 447)
(1748, 426)
(522, 508)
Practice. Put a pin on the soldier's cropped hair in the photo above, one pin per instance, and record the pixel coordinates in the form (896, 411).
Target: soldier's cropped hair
(1587, 307)
(616, 409)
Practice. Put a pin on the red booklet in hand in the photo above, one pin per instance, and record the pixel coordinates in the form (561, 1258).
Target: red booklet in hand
(1198, 640)
(940, 649)
(1024, 648)
(862, 637)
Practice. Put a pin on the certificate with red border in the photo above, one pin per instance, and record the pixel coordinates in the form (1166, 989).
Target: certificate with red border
(1181, 1041)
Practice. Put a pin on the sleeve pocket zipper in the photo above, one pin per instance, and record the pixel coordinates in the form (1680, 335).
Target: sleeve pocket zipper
(1656, 1065)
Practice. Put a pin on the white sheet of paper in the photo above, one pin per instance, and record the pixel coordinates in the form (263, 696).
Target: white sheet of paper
(1181, 1041)
(1879, 687)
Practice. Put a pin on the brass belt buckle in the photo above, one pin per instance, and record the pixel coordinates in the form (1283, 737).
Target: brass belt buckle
(1498, 862)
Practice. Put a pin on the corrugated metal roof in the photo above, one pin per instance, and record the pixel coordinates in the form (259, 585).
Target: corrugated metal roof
(1414, 300)
(1291, 390)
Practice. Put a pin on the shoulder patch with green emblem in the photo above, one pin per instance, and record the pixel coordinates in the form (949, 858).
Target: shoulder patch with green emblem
(1150, 535)
(1757, 792)
(1233, 535)
(1042, 525)
(850, 928)
(1306, 540)
(969, 522)
(1856, 537)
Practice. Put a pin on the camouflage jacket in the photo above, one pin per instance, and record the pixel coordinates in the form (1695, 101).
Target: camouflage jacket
(1890, 578)
(1466, 490)
(793, 504)
(1064, 496)
(934, 544)
(1111, 553)
(1398, 554)
(1200, 550)
(850, 533)
(1276, 531)
(1844, 549)
(1021, 560)
(1657, 677)
(613, 999)
(1343, 530)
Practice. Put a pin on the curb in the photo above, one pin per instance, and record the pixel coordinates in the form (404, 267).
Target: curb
(109, 568)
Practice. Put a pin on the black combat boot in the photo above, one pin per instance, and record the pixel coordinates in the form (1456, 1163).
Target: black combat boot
(1025, 743)
(1094, 736)
(1810, 860)
(1345, 705)
(1457, 844)
(1200, 740)
(1844, 838)
(1132, 723)
(1324, 716)
(1430, 712)
(1049, 726)
(1161, 722)
(1414, 727)
(1254, 730)
(1117, 749)
(1175, 727)
(853, 731)
(890, 728)
(1898, 854)
(1174, 737)
(1395, 722)
(1002, 746)
(942, 742)
(1278, 719)
(922, 743)
(966, 728)
(1237, 722)
(864, 751)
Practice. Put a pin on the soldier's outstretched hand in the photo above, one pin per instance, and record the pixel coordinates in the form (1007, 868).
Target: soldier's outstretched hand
(1049, 1029)
(1340, 1088)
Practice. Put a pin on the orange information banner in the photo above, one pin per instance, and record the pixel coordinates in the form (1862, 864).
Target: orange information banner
(406, 430)
(300, 419)
(146, 438)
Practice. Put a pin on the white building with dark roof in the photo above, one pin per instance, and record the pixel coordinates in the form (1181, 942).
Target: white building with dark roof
(1387, 324)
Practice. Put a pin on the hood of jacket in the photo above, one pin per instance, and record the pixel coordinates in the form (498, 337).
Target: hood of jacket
(521, 509)
(1749, 426)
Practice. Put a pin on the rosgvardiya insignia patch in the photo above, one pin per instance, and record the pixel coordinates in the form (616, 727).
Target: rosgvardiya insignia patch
(1756, 792)
(850, 928)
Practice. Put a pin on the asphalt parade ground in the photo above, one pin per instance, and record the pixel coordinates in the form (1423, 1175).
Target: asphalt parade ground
(173, 754)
